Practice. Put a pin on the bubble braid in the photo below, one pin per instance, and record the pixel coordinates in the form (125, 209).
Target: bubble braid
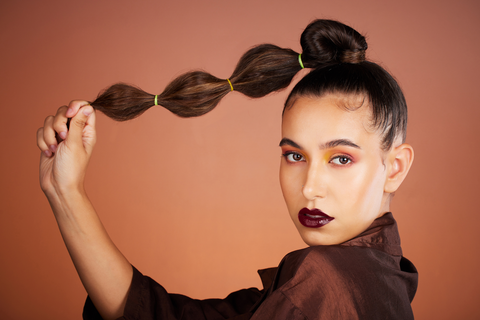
(334, 50)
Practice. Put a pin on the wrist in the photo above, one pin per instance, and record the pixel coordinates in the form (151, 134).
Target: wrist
(56, 190)
(66, 199)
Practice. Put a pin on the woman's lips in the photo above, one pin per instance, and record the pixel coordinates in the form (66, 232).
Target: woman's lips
(313, 218)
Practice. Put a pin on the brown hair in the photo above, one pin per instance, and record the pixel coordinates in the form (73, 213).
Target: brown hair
(335, 51)
(261, 70)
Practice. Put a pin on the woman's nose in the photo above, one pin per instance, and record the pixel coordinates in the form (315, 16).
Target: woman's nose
(314, 186)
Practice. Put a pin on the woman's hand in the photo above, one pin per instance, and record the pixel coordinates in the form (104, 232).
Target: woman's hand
(66, 151)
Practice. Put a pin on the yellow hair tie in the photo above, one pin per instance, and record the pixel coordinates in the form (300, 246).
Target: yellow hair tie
(231, 87)
(300, 61)
(156, 102)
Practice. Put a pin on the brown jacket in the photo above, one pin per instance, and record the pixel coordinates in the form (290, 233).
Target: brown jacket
(363, 278)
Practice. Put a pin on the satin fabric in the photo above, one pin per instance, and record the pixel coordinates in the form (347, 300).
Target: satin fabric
(364, 278)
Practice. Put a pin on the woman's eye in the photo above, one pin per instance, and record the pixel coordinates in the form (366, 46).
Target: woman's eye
(293, 157)
(341, 160)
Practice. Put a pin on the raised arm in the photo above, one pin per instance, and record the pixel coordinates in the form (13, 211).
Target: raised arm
(105, 273)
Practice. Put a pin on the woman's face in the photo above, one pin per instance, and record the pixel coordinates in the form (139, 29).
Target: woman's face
(332, 161)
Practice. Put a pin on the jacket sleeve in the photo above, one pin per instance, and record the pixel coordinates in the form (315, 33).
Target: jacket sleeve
(148, 300)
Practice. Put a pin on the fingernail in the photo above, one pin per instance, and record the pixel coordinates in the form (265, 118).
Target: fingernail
(63, 135)
(69, 112)
(47, 153)
(53, 148)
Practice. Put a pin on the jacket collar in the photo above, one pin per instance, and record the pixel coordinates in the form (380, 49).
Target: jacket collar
(381, 235)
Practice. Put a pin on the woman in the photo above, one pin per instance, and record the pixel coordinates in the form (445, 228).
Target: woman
(344, 156)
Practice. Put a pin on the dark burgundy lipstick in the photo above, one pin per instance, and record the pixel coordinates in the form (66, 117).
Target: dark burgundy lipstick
(313, 218)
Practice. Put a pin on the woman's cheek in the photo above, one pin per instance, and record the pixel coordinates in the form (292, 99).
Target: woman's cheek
(290, 181)
(366, 188)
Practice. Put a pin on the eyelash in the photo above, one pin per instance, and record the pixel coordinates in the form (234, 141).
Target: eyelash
(349, 160)
(286, 155)
(290, 153)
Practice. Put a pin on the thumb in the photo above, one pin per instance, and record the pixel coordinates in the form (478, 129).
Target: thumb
(82, 127)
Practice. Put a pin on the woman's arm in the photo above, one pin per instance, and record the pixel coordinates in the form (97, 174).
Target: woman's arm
(105, 273)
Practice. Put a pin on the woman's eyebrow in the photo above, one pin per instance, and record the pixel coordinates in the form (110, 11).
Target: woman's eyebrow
(339, 142)
(327, 145)
(286, 141)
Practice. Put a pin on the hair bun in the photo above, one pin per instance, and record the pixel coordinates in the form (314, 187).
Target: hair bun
(328, 41)
(352, 56)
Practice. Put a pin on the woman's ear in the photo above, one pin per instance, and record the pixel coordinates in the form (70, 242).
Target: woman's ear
(400, 160)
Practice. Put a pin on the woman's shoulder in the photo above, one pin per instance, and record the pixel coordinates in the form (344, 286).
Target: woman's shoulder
(340, 282)
(317, 262)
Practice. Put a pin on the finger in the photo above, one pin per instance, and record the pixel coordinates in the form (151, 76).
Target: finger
(60, 122)
(49, 134)
(74, 106)
(89, 132)
(41, 143)
(80, 122)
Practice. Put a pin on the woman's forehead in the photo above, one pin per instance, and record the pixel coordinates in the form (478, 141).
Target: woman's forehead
(341, 107)
(330, 117)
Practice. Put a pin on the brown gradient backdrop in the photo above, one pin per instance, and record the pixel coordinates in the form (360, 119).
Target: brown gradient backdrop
(196, 203)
